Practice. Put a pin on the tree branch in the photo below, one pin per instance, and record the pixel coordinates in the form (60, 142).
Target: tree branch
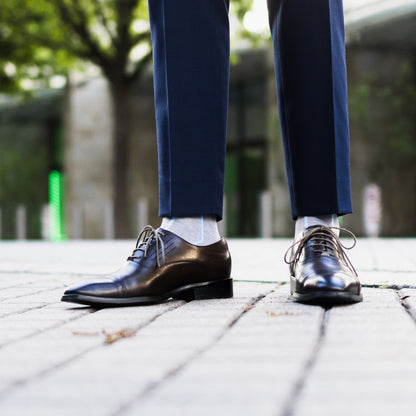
(124, 9)
(21, 35)
(140, 37)
(140, 67)
(80, 28)
(103, 20)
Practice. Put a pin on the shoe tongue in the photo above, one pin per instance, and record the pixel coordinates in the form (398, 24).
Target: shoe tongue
(312, 227)
(317, 242)
(322, 232)
(306, 231)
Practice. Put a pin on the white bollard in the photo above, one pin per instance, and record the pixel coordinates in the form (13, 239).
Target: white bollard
(142, 213)
(45, 221)
(21, 222)
(372, 210)
(1, 230)
(108, 220)
(266, 223)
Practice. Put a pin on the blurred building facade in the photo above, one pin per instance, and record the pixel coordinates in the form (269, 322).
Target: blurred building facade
(31, 148)
(381, 59)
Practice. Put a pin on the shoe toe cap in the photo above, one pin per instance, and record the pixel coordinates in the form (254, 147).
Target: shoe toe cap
(104, 287)
(339, 282)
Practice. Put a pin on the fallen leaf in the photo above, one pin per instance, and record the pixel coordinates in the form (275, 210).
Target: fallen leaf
(85, 333)
(281, 313)
(122, 333)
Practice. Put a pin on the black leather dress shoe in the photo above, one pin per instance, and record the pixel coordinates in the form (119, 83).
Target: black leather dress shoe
(321, 273)
(162, 266)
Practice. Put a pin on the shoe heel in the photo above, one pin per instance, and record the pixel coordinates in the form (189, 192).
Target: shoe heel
(211, 290)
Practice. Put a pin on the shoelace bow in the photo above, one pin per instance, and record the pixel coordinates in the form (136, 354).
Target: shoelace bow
(324, 240)
(146, 239)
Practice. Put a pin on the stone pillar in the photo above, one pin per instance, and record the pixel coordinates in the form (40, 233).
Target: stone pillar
(88, 165)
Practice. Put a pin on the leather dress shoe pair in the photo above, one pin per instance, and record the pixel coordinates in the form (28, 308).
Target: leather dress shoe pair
(321, 273)
(162, 266)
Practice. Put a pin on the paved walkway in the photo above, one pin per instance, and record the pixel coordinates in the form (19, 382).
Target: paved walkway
(255, 354)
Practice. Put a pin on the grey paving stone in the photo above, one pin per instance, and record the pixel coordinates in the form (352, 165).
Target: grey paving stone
(16, 292)
(71, 257)
(25, 323)
(27, 358)
(251, 370)
(8, 309)
(33, 303)
(76, 259)
(408, 298)
(388, 279)
(129, 366)
(368, 366)
(388, 254)
(188, 359)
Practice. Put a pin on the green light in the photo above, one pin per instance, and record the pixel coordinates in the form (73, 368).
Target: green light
(56, 228)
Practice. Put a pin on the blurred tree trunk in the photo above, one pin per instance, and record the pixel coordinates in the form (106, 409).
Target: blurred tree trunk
(120, 145)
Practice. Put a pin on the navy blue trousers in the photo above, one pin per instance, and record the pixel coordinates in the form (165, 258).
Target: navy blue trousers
(191, 79)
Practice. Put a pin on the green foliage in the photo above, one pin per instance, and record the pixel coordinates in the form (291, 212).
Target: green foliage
(402, 99)
(40, 39)
(387, 114)
(27, 33)
(241, 7)
(359, 100)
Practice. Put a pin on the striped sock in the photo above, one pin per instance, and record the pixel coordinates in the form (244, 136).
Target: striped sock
(199, 231)
(302, 223)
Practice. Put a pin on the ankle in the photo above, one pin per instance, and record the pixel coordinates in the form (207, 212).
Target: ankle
(302, 223)
(199, 231)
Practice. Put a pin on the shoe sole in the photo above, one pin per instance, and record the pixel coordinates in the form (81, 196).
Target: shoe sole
(326, 298)
(219, 289)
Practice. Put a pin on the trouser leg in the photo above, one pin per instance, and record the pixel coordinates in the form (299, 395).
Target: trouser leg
(191, 78)
(309, 48)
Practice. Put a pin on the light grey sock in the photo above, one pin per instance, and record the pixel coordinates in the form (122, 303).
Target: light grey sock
(302, 223)
(200, 231)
